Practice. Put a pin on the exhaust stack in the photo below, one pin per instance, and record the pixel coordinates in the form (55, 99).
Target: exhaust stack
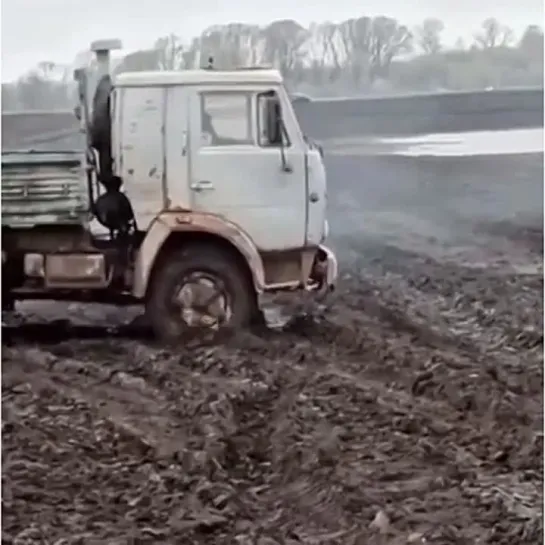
(87, 84)
(102, 49)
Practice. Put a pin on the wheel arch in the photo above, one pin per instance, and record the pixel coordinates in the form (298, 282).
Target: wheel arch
(172, 231)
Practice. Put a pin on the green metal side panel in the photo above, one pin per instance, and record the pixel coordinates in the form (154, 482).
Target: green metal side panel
(43, 188)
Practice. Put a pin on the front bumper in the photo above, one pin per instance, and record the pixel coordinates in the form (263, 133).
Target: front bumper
(325, 270)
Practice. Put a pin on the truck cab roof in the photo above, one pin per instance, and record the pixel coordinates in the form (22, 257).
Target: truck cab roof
(198, 77)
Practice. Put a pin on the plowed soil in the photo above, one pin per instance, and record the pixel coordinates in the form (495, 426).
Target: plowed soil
(409, 411)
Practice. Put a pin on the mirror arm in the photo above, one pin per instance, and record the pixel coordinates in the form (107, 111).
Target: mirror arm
(283, 133)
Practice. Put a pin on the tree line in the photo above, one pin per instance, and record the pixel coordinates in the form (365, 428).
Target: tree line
(357, 56)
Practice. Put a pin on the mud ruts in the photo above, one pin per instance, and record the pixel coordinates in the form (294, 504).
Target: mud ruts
(402, 407)
(415, 402)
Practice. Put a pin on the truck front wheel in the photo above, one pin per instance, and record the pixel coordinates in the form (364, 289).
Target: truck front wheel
(200, 287)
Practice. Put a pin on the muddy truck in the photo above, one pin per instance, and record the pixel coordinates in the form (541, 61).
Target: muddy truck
(196, 195)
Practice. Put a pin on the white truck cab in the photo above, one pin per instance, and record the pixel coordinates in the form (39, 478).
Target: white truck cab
(213, 197)
(199, 140)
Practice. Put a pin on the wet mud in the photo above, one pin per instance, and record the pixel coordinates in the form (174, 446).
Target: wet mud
(410, 412)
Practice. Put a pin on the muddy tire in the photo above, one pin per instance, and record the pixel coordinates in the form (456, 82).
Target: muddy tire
(200, 288)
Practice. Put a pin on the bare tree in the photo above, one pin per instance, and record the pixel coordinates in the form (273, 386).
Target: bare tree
(169, 52)
(231, 45)
(145, 59)
(459, 44)
(36, 90)
(45, 70)
(429, 36)
(371, 44)
(493, 34)
(532, 42)
(389, 39)
(360, 52)
(283, 45)
(10, 98)
(327, 54)
(355, 37)
(244, 43)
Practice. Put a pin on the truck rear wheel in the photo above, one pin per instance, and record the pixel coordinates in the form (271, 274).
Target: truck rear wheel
(199, 288)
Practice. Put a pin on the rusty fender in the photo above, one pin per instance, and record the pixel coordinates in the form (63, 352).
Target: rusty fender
(171, 222)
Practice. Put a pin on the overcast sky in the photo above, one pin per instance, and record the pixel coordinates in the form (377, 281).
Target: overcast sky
(56, 30)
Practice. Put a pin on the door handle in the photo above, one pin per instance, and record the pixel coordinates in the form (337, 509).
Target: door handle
(202, 185)
(314, 197)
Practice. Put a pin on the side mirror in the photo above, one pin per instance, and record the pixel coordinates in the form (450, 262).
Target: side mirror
(273, 121)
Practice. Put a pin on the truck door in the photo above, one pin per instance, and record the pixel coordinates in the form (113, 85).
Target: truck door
(237, 175)
(141, 151)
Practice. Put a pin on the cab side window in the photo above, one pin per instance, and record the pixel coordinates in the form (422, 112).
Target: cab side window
(226, 119)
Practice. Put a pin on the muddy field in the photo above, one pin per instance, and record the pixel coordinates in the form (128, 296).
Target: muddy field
(411, 411)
